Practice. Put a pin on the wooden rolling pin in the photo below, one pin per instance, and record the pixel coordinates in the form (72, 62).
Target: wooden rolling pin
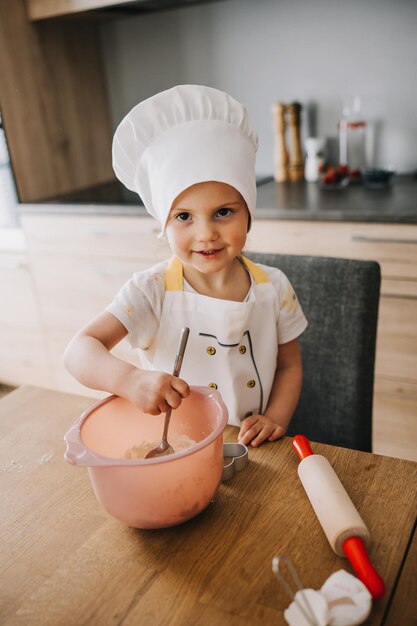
(344, 528)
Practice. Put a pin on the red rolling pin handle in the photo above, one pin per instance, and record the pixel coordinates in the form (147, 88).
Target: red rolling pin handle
(355, 551)
(302, 446)
(353, 547)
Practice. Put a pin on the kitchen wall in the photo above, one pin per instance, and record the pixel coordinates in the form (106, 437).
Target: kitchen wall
(262, 51)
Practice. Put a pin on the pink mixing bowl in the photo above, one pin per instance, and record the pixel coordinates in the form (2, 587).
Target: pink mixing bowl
(158, 492)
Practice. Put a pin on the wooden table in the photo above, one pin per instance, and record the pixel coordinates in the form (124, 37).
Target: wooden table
(65, 562)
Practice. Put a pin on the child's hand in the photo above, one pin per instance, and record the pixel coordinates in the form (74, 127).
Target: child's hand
(258, 428)
(154, 392)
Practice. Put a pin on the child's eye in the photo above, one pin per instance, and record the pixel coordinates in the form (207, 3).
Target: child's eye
(224, 212)
(183, 217)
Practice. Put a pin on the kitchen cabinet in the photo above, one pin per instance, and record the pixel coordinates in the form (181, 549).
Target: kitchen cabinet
(23, 354)
(79, 263)
(394, 246)
(54, 104)
(44, 9)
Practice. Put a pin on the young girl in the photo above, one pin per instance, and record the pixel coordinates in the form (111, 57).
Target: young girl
(189, 153)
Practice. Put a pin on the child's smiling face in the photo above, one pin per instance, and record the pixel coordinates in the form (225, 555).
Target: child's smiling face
(207, 226)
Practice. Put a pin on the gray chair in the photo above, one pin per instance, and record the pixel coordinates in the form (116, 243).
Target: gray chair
(340, 300)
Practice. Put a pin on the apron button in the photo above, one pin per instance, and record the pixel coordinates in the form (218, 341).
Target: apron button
(242, 349)
(212, 385)
(211, 350)
(251, 383)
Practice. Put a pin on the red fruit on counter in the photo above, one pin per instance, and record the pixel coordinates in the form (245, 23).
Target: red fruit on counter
(329, 177)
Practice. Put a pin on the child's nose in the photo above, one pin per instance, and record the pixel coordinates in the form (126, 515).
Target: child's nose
(207, 231)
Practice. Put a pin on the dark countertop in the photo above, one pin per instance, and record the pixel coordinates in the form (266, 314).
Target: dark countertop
(286, 201)
(308, 201)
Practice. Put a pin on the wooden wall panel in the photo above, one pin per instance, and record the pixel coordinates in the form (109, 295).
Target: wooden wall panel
(54, 104)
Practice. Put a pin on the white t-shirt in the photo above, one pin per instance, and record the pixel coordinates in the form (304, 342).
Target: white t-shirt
(138, 306)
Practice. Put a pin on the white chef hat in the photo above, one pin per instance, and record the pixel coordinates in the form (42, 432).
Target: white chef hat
(182, 136)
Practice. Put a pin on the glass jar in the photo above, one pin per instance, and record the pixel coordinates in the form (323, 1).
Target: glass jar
(352, 136)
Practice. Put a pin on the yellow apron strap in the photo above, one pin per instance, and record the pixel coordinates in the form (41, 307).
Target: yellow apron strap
(259, 275)
(173, 275)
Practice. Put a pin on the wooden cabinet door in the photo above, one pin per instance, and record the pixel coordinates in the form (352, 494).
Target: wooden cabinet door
(54, 104)
(43, 9)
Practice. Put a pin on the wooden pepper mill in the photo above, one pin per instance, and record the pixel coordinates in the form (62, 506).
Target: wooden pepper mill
(280, 149)
(296, 165)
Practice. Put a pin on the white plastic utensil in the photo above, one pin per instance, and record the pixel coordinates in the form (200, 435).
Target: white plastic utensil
(308, 607)
(343, 599)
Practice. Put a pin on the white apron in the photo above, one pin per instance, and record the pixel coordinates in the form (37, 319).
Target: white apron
(232, 346)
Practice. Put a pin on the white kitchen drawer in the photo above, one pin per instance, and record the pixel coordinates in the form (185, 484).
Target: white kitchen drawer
(23, 358)
(73, 289)
(107, 236)
(395, 419)
(396, 354)
(399, 287)
(394, 246)
(18, 305)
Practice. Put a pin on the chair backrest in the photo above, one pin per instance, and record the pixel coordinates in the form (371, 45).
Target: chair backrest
(340, 299)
